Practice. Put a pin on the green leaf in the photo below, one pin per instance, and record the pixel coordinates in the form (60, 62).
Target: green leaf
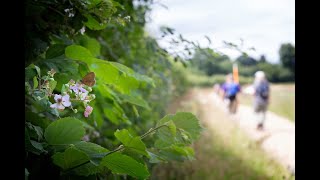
(37, 69)
(97, 116)
(71, 158)
(55, 50)
(91, 44)
(37, 145)
(94, 151)
(123, 78)
(134, 98)
(178, 153)
(79, 53)
(36, 132)
(134, 143)
(154, 158)
(172, 128)
(30, 73)
(122, 164)
(32, 146)
(52, 85)
(93, 24)
(163, 142)
(26, 173)
(135, 110)
(129, 72)
(36, 120)
(185, 121)
(35, 82)
(64, 131)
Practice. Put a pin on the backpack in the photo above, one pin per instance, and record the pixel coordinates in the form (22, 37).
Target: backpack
(263, 90)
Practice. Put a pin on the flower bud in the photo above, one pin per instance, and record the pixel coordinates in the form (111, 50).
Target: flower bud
(89, 89)
(75, 110)
(93, 96)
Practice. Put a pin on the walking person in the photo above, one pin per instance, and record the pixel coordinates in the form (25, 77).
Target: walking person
(261, 97)
(230, 91)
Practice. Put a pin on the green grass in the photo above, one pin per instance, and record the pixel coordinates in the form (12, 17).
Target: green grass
(282, 100)
(223, 152)
(196, 79)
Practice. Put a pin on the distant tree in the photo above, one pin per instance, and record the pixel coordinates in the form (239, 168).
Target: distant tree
(246, 60)
(209, 62)
(262, 59)
(287, 56)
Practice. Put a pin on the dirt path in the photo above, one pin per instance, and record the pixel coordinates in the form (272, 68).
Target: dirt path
(278, 137)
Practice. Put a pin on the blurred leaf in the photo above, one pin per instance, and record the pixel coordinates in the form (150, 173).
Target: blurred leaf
(134, 98)
(35, 82)
(55, 50)
(91, 44)
(35, 132)
(52, 85)
(124, 78)
(93, 24)
(178, 153)
(154, 158)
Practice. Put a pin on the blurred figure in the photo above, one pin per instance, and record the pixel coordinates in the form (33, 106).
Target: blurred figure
(216, 88)
(261, 97)
(230, 89)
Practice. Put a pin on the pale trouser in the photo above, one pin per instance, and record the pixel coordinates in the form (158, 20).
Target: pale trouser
(260, 108)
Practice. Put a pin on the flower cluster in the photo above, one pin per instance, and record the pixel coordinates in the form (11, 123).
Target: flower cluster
(73, 91)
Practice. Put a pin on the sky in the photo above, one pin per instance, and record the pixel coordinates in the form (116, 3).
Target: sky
(263, 24)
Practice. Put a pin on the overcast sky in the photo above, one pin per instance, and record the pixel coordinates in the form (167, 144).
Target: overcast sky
(264, 24)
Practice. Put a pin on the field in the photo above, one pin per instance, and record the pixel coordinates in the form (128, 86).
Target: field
(223, 151)
(282, 100)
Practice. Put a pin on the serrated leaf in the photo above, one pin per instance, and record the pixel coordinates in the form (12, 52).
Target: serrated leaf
(134, 143)
(35, 82)
(122, 164)
(186, 121)
(94, 151)
(71, 158)
(64, 131)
